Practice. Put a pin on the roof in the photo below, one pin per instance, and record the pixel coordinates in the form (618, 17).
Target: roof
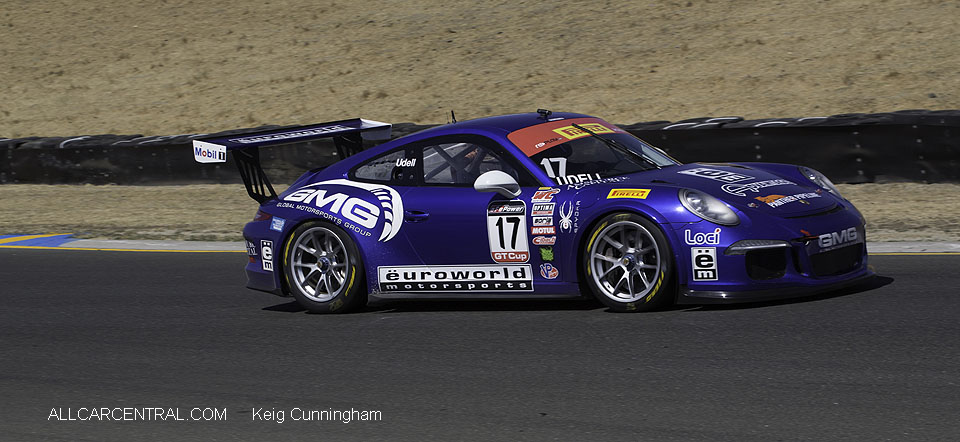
(501, 123)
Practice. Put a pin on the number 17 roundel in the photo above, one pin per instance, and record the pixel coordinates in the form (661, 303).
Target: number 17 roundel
(507, 231)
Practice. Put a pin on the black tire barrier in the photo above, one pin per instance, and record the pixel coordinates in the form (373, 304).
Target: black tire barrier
(908, 145)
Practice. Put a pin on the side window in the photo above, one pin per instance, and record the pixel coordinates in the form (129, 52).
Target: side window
(388, 168)
(459, 164)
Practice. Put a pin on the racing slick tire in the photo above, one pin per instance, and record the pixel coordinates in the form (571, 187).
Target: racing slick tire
(322, 268)
(628, 263)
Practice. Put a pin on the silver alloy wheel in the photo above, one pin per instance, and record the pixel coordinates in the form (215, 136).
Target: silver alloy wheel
(319, 264)
(625, 261)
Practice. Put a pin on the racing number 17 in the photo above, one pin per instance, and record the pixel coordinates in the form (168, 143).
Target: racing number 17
(561, 166)
(515, 220)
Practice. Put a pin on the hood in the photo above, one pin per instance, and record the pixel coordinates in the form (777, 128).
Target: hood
(749, 189)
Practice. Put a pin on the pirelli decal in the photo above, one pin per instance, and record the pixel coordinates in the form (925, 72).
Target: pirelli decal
(572, 132)
(456, 278)
(640, 194)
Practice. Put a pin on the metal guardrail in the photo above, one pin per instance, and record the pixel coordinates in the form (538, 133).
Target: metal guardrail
(912, 145)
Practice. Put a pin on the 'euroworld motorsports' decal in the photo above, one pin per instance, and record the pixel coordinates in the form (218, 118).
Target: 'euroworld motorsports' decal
(456, 278)
(349, 211)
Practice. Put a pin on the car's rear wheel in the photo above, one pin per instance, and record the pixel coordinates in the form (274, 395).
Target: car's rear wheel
(322, 268)
(628, 263)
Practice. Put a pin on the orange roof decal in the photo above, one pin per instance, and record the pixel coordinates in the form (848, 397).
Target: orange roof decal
(535, 139)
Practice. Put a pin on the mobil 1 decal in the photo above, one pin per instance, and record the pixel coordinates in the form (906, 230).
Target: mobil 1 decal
(704, 263)
(507, 231)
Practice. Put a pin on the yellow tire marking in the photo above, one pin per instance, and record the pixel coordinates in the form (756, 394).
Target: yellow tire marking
(590, 243)
(655, 288)
(353, 274)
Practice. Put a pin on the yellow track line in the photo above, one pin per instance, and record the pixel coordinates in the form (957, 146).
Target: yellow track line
(26, 237)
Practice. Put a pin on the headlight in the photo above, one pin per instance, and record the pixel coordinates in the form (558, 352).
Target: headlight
(708, 207)
(820, 180)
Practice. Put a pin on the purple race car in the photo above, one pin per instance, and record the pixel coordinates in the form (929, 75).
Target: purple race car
(537, 205)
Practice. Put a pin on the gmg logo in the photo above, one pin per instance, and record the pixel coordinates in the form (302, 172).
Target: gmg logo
(837, 238)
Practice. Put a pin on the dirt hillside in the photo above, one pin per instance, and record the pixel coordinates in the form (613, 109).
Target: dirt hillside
(172, 66)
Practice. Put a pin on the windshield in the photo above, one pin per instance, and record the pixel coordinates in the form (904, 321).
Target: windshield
(569, 155)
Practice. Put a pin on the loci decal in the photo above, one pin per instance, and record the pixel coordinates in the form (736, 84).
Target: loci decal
(700, 238)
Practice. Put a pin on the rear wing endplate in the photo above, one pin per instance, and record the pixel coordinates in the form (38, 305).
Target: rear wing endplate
(348, 136)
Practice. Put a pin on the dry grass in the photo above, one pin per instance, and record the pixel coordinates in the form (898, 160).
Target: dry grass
(142, 66)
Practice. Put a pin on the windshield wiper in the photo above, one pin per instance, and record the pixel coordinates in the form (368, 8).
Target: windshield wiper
(619, 147)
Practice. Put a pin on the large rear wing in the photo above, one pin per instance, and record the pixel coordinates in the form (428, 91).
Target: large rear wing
(348, 136)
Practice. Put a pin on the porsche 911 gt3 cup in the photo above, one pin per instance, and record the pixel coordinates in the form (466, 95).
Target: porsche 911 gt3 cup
(537, 205)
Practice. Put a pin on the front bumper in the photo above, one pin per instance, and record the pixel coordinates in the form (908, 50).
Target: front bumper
(688, 296)
(772, 259)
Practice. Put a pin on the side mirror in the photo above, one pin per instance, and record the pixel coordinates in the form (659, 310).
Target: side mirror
(497, 181)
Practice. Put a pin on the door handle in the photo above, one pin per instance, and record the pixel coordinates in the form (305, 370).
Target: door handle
(415, 216)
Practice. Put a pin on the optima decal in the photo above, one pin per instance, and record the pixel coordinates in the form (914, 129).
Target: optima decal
(477, 278)
(358, 213)
(542, 209)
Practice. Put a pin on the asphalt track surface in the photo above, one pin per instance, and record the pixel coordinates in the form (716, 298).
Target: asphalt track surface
(149, 329)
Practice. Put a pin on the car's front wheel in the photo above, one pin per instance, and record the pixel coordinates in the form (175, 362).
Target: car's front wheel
(628, 263)
(322, 268)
